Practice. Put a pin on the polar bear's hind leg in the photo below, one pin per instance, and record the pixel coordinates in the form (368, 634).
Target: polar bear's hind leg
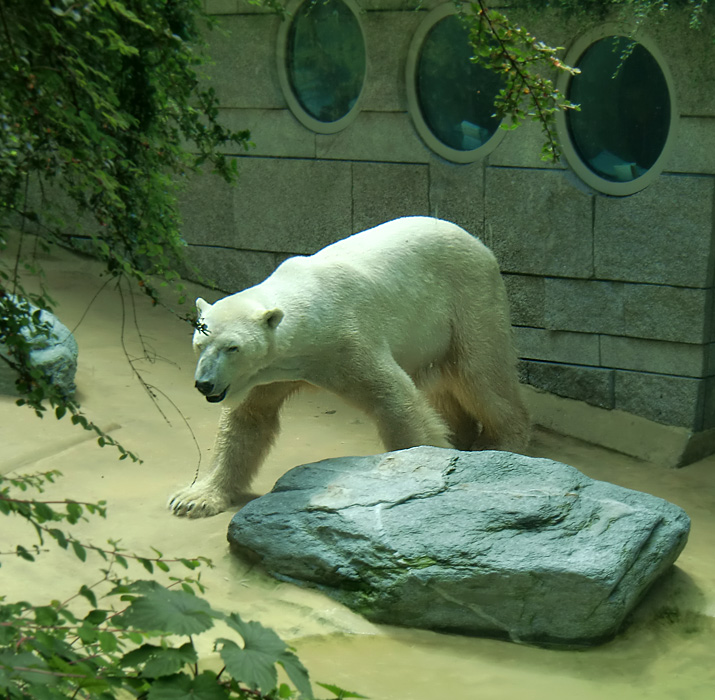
(464, 428)
(489, 393)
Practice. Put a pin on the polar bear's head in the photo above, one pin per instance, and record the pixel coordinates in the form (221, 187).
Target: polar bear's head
(233, 341)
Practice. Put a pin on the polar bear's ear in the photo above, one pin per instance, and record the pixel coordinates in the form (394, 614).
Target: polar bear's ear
(202, 305)
(273, 317)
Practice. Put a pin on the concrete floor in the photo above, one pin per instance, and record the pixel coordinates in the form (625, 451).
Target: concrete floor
(665, 653)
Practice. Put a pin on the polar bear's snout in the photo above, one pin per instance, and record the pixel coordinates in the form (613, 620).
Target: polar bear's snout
(207, 389)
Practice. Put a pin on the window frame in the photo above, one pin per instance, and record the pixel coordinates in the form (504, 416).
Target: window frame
(413, 104)
(570, 153)
(292, 100)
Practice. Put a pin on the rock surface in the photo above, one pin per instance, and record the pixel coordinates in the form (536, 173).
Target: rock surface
(485, 543)
(54, 352)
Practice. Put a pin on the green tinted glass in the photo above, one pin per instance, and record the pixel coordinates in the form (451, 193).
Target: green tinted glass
(326, 59)
(456, 97)
(625, 109)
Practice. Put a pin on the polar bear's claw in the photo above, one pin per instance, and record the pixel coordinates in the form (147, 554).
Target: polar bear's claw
(197, 502)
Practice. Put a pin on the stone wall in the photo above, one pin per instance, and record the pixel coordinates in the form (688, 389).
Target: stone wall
(612, 297)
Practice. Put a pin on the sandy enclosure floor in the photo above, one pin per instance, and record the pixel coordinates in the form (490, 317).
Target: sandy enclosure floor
(666, 653)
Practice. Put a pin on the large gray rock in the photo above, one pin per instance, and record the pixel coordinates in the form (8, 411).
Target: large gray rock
(53, 350)
(486, 543)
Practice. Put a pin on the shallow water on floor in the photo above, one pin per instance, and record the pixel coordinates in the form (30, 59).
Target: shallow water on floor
(667, 653)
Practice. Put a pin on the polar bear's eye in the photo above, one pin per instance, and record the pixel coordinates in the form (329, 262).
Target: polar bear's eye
(232, 348)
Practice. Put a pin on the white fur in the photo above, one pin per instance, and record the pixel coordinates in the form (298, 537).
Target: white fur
(408, 320)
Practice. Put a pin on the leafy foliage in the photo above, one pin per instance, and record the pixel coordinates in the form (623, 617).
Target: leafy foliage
(102, 115)
(628, 10)
(524, 63)
(137, 637)
(529, 66)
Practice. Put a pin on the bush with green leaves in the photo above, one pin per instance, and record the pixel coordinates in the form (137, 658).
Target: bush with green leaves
(121, 636)
(529, 67)
(102, 116)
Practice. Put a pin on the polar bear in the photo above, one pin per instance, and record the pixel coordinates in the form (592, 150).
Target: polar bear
(409, 321)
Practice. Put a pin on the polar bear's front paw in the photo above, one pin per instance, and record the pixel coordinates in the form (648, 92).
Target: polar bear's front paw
(198, 501)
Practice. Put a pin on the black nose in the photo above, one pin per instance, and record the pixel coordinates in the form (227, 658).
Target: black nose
(205, 387)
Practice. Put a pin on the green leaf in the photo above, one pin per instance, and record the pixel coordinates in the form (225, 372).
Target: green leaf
(108, 642)
(43, 512)
(23, 553)
(255, 663)
(74, 512)
(136, 657)
(340, 692)
(46, 616)
(79, 550)
(297, 673)
(88, 593)
(96, 617)
(87, 633)
(167, 662)
(60, 536)
(147, 565)
(13, 660)
(252, 667)
(175, 612)
(183, 687)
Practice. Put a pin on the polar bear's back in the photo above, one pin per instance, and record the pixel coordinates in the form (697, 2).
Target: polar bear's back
(429, 237)
(407, 262)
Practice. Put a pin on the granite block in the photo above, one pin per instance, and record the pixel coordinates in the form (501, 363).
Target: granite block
(228, 269)
(526, 299)
(375, 136)
(385, 191)
(206, 209)
(688, 55)
(387, 38)
(587, 306)
(456, 193)
(243, 70)
(521, 148)
(590, 384)
(662, 235)
(537, 223)
(292, 205)
(694, 149)
(708, 417)
(665, 313)
(274, 132)
(660, 397)
(556, 346)
(681, 359)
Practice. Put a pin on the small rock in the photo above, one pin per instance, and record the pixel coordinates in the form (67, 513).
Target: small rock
(54, 352)
(482, 543)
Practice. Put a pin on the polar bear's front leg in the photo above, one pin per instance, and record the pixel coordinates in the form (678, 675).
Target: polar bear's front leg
(245, 435)
(403, 415)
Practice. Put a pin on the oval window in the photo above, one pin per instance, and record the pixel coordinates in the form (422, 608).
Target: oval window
(451, 98)
(322, 63)
(617, 141)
